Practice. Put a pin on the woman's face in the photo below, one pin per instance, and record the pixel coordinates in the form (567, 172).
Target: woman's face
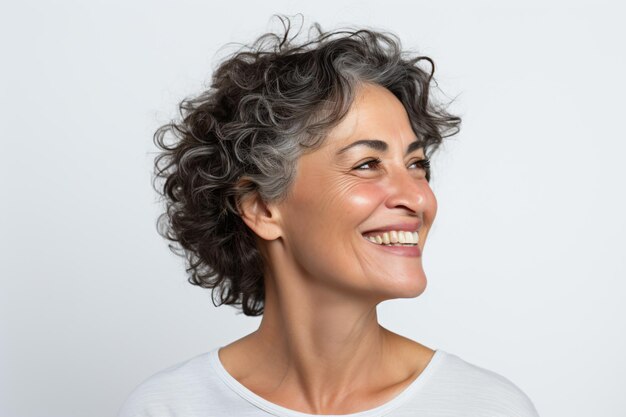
(337, 197)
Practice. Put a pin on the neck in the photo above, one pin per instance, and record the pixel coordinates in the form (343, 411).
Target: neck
(325, 343)
(322, 344)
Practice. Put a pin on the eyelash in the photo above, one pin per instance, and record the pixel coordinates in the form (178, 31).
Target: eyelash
(424, 164)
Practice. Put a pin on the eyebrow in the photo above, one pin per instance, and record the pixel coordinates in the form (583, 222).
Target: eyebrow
(379, 145)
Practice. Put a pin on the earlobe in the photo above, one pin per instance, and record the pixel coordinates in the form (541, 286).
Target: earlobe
(259, 216)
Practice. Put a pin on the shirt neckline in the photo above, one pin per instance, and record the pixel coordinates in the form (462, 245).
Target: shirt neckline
(281, 411)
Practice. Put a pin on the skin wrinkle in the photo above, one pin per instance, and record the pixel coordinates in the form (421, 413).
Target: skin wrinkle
(319, 348)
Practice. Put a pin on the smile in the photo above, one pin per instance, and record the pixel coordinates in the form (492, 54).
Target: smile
(394, 238)
(396, 248)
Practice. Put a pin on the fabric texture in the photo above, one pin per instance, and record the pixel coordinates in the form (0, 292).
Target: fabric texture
(447, 387)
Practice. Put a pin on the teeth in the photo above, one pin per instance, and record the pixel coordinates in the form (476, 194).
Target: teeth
(395, 238)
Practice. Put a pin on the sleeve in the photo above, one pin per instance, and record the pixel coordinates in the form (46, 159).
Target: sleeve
(500, 396)
(525, 406)
(176, 391)
(512, 401)
(156, 397)
(143, 402)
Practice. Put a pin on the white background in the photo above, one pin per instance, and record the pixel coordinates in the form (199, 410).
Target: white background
(525, 262)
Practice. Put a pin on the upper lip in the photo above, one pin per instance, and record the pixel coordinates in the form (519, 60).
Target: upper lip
(408, 227)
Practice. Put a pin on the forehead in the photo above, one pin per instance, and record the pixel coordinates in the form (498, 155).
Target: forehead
(375, 114)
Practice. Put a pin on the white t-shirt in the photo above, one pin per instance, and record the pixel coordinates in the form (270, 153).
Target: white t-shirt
(447, 387)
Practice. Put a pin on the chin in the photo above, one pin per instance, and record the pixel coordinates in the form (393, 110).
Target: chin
(417, 288)
(410, 287)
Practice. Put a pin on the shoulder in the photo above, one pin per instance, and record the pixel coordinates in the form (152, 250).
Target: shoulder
(482, 389)
(171, 391)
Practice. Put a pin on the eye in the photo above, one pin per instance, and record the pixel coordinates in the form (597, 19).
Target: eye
(423, 163)
(374, 162)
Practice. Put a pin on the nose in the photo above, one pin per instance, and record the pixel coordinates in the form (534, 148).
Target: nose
(407, 189)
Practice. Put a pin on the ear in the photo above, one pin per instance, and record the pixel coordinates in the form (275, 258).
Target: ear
(261, 217)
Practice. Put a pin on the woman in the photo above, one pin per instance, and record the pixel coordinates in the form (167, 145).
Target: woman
(298, 185)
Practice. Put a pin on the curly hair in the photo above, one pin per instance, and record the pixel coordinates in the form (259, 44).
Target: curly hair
(268, 104)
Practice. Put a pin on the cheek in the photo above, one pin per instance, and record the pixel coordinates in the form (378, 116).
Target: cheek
(323, 218)
(430, 211)
(323, 236)
(360, 201)
(332, 206)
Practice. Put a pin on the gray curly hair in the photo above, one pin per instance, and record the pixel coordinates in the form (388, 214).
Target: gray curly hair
(267, 106)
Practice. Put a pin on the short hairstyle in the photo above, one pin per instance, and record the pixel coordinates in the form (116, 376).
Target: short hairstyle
(268, 104)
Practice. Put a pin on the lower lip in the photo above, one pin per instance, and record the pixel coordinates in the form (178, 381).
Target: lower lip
(399, 250)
